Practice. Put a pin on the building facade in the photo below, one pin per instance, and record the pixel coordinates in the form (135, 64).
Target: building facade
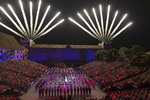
(68, 54)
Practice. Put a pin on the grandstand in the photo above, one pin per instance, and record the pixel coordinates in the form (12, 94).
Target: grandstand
(120, 80)
(30, 71)
(21, 78)
(24, 79)
(17, 73)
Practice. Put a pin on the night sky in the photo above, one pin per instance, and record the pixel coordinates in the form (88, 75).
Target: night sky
(68, 33)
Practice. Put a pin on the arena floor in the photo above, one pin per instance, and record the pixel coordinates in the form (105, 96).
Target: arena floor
(34, 95)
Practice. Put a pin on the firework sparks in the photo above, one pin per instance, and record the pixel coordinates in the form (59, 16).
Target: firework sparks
(30, 31)
(101, 31)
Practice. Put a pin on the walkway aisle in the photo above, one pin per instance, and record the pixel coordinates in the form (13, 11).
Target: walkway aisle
(31, 94)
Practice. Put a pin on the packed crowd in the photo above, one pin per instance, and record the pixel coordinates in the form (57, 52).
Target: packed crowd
(134, 94)
(18, 74)
(135, 81)
(97, 68)
(111, 77)
(64, 82)
(13, 79)
(8, 97)
(24, 67)
(111, 73)
(74, 81)
(2, 87)
(114, 76)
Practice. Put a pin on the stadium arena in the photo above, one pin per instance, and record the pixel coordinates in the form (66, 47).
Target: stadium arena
(30, 71)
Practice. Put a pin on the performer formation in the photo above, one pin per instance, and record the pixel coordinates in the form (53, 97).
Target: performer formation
(64, 82)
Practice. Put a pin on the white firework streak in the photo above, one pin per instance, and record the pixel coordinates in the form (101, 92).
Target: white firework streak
(82, 28)
(43, 19)
(35, 30)
(18, 20)
(37, 16)
(31, 19)
(10, 29)
(101, 31)
(88, 25)
(91, 22)
(99, 28)
(49, 23)
(39, 35)
(16, 25)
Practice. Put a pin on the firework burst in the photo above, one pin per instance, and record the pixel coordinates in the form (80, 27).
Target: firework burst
(33, 30)
(100, 30)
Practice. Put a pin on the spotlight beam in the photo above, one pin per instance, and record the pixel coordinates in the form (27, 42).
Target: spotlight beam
(82, 28)
(44, 16)
(49, 23)
(16, 25)
(18, 20)
(87, 24)
(37, 17)
(95, 15)
(51, 28)
(91, 21)
(31, 20)
(121, 31)
(112, 23)
(24, 16)
(117, 26)
(11, 30)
